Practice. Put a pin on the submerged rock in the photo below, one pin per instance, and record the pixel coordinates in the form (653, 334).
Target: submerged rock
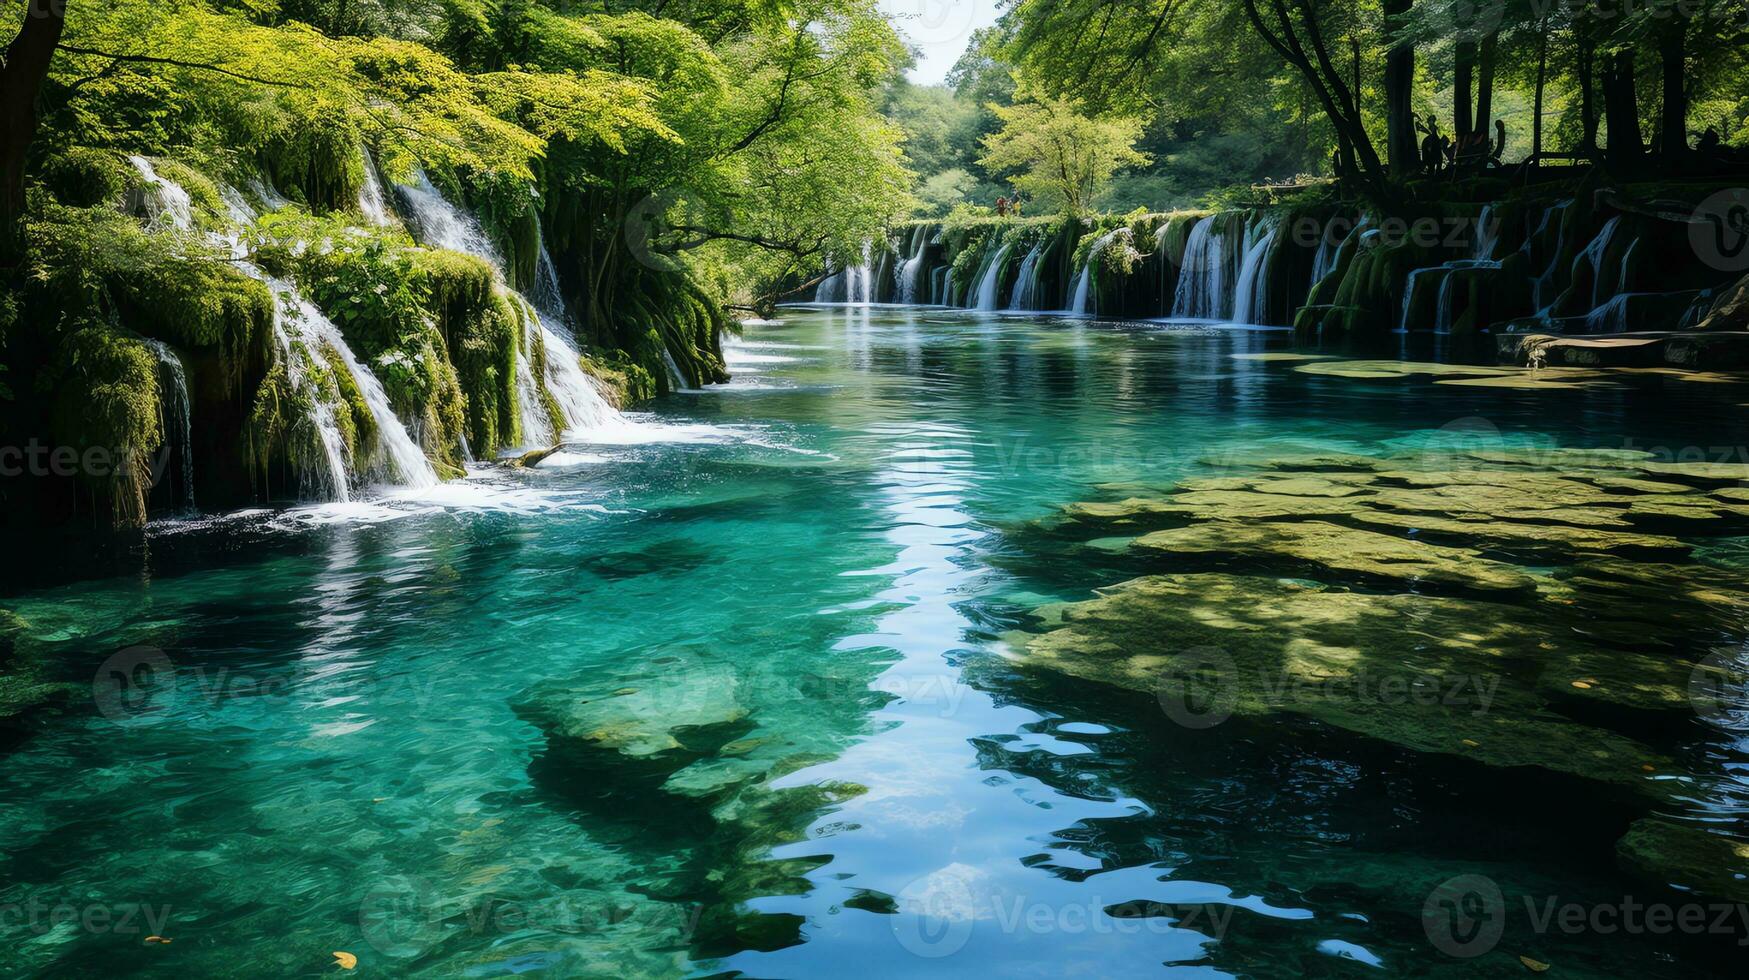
(1687, 856)
(1334, 548)
(669, 722)
(1449, 676)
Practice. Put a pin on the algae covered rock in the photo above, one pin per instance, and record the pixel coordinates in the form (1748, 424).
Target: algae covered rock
(664, 721)
(1687, 856)
(1334, 548)
(1443, 675)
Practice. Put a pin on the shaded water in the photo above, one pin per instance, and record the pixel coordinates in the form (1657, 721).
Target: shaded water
(798, 601)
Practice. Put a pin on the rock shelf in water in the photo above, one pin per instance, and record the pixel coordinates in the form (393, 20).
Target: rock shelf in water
(1223, 613)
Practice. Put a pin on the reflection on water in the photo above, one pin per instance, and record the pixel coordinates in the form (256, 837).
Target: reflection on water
(745, 699)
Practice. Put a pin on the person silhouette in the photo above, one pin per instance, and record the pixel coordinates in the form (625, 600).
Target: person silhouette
(1002, 207)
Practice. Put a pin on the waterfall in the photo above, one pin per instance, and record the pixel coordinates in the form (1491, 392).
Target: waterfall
(162, 201)
(438, 222)
(1442, 315)
(298, 319)
(1083, 286)
(676, 380)
(548, 296)
(1251, 297)
(371, 201)
(1610, 317)
(1411, 285)
(1552, 215)
(1325, 258)
(1206, 280)
(1593, 254)
(907, 275)
(854, 285)
(1085, 303)
(947, 288)
(993, 279)
(1487, 234)
(178, 415)
(1022, 297)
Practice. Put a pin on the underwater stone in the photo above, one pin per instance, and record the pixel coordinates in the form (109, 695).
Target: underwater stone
(1343, 549)
(1686, 856)
(1432, 674)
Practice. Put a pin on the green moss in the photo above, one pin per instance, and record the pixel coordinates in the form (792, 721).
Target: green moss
(624, 382)
(480, 333)
(315, 155)
(196, 303)
(105, 403)
(351, 414)
(83, 177)
(1687, 856)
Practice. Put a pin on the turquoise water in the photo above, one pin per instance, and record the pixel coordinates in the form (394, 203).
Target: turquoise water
(782, 603)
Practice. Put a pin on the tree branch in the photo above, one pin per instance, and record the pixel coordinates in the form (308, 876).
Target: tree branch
(142, 59)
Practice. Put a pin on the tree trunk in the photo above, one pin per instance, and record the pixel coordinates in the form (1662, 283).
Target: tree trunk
(1401, 141)
(21, 82)
(1587, 63)
(1673, 127)
(1621, 111)
(1462, 98)
(1485, 84)
(1542, 77)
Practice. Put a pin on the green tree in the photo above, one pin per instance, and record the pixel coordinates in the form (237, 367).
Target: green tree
(1059, 155)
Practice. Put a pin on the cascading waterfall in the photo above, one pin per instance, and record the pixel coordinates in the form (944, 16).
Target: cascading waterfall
(676, 380)
(400, 460)
(1610, 317)
(178, 416)
(1251, 297)
(162, 201)
(1206, 281)
(992, 283)
(1083, 287)
(1594, 252)
(1415, 283)
(1084, 302)
(853, 286)
(1443, 305)
(439, 222)
(371, 200)
(908, 272)
(1022, 297)
(296, 319)
(1487, 234)
(1324, 259)
(1554, 215)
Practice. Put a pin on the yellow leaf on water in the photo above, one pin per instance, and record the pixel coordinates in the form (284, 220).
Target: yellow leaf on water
(345, 961)
(1581, 685)
(1472, 743)
(1536, 966)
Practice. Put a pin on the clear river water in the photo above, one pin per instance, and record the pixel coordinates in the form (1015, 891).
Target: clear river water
(804, 747)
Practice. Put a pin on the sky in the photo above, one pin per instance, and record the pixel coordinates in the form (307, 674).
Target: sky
(940, 30)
